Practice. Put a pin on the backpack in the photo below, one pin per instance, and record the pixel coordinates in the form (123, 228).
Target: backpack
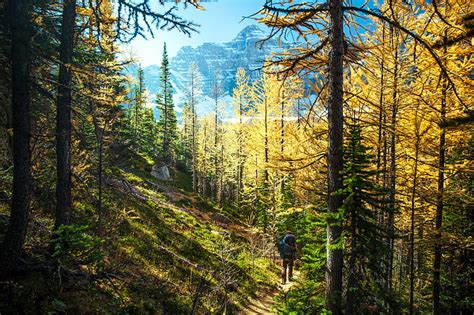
(284, 247)
(281, 248)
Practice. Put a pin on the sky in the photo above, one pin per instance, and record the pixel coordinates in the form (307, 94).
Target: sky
(220, 22)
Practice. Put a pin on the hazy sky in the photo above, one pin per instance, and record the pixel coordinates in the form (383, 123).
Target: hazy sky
(220, 22)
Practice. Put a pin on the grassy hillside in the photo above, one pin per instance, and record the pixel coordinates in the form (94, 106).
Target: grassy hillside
(166, 252)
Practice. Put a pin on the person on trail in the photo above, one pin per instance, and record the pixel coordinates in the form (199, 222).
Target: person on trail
(287, 249)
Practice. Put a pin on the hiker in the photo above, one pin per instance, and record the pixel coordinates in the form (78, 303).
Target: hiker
(287, 249)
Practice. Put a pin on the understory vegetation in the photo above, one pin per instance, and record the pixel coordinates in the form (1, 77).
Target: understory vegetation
(161, 250)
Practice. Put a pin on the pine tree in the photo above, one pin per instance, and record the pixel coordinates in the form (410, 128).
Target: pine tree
(364, 237)
(138, 105)
(63, 116)
(193, 95)
(167, 125)
(101, 71)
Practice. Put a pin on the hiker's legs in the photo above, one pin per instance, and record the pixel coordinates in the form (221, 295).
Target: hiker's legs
(290, 267)
(285, 264)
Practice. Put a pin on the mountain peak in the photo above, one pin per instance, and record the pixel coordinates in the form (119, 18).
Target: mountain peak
(241, 52)
(251, 31)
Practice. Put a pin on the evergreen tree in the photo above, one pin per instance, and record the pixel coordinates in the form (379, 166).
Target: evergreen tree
(21, 36)
(101, 71)
(141, 119)
(193, 96)
(167, 125)
(138, 91)
(63, 117)
(364, 237)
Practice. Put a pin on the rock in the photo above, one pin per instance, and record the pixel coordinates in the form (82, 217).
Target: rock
(160, 172)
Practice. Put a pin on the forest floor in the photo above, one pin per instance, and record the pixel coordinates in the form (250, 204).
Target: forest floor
(164, 251)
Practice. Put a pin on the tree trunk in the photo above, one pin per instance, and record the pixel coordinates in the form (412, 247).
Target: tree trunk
(185, 145)
(19, 15)
(282, 122)
(393, 165)
(420, 252)
(335, 159)
(204, 162)
(265, 183)
(384, 171)
(100, 134)
(193, 135)
(412, 227)
(241, 162)
(282, 136)
(215, 153)
(381, 109)
(137, 104)
(221, 178)
(255, 202)
(440, 193)
(63, 117)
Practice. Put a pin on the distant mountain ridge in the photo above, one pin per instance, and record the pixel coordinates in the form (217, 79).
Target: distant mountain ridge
(245, 51)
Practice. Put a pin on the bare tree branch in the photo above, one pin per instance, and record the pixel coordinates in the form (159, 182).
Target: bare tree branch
(142, 13)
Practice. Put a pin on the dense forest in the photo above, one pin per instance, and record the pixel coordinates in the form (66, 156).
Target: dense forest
(359, 139)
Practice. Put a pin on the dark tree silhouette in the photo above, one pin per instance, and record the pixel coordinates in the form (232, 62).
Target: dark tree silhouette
(19, 18)
(63, 116)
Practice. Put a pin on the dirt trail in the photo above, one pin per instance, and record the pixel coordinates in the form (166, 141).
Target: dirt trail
(265, 303)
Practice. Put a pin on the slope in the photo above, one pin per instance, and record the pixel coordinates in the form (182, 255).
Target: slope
(165, 251)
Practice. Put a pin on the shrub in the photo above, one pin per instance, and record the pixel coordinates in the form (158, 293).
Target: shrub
(72, 244)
